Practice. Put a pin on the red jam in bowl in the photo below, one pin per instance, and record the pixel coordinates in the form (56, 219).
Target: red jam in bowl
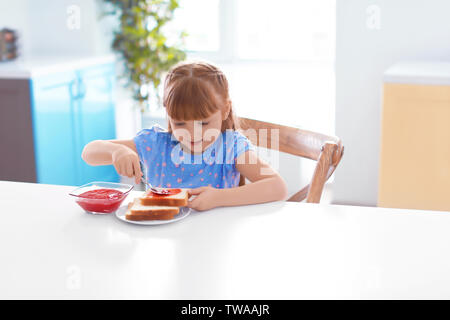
(101, 200)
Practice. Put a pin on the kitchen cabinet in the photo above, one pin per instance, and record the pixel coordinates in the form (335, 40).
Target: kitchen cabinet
(415, 148)
(68, 108)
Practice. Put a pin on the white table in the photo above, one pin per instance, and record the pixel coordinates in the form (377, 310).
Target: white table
(50, 248)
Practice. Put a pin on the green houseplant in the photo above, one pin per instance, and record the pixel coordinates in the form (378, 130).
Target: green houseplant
(143, 44)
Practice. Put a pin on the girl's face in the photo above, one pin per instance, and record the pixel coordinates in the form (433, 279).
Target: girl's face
(197, 135)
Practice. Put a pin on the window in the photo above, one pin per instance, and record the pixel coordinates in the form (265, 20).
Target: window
(282, 30)
(278, 55)
(200, 19)
(285, 29)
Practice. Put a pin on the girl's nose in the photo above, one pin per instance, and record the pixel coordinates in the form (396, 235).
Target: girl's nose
(197, 129)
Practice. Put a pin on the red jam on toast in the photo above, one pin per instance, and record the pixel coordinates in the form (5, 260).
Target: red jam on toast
(170, 192)
(175, 198)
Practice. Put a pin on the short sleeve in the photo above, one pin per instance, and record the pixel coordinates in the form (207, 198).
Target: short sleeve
(147, 140)
(241, 144)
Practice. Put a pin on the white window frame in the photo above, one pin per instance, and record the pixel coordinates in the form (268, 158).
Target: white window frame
(228, 44)
(227, 32)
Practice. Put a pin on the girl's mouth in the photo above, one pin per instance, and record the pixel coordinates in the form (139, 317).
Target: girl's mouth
(195, 143)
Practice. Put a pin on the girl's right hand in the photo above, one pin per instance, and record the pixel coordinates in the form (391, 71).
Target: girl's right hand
(126, 162)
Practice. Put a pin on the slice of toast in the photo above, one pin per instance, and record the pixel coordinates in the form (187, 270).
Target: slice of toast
(176, 200)
(138, 212)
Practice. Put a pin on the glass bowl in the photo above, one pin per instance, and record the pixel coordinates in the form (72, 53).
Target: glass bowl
(101, 197)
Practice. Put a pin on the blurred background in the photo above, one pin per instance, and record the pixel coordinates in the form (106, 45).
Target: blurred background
(320, 65)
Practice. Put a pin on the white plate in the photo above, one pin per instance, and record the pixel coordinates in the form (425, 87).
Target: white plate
(184, 212)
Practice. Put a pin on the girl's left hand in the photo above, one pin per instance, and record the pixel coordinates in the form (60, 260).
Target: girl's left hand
(206, 198)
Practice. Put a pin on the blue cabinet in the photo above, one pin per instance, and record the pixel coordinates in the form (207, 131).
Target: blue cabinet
(70, 109)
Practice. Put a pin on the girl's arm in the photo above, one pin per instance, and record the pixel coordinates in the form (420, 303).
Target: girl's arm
(267, 185)
(120, 153)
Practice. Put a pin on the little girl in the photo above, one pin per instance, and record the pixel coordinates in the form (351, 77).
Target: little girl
(201, 150)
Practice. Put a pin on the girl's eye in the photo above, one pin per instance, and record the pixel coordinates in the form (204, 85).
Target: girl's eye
(179, 124)
(205, 123)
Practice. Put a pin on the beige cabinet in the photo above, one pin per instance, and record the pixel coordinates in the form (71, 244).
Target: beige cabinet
(415, 137)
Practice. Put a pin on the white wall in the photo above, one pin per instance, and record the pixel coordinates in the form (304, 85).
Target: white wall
(13, 15)
(408, 29)
(43, 30)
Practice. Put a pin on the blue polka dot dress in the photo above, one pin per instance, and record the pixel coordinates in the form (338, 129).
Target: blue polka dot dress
(166, 164)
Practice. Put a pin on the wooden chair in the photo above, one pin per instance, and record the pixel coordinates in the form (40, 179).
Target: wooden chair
(326, 150)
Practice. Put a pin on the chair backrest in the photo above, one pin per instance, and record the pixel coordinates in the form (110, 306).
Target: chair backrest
(326, 150)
